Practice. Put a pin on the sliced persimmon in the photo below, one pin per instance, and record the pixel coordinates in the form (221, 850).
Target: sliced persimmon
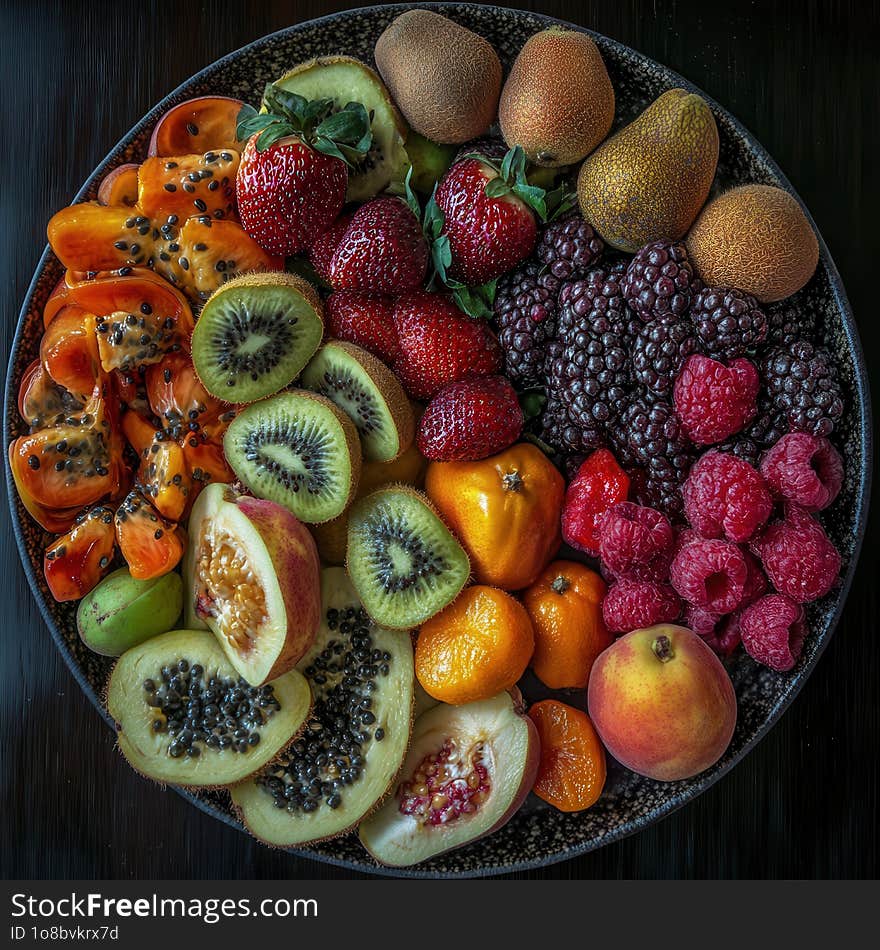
(75, 562)
(197, 125)
(180, 401)
(164, 477)
(69, 351)
(150, 545)
(185, 185)
(119, 188)
(41, 401)
(206, 463)
(94, 237)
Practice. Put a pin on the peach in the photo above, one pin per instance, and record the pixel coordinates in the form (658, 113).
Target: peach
(662, 703)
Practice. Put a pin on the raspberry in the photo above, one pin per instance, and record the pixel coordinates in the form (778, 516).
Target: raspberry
(773, 631)
(805, 470)
(801, 385)
(635, 542)
(631, 605)
(659, 280)
(599, 484)
(710, 574)
(715, 401)
(797, 556)
(525, 311)
(569, 247)
(724, 496)
(728, 321)
(720, 633)
(658, 353)
(756, 580)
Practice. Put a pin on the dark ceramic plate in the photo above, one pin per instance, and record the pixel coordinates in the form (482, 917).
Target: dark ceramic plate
(537, 835)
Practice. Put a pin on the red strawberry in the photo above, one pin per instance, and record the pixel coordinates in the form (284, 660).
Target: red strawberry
(439, 344)
(294, 170)
(600, 484)
(322, 249)
(490, 227)
(470, 419)
(288, 194)
(383, 249)
(365, 318)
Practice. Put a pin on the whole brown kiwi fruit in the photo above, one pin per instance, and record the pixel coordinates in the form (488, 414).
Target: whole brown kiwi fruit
(557, 102)
(444, 78)
(757, 238)
(649, 180)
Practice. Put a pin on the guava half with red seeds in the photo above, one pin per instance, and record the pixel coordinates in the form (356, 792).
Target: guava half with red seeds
(468, 770)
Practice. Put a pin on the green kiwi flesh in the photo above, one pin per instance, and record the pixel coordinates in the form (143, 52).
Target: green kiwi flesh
(365, 767)
(298, 450)
(345, 79)
(402, 559)
(368, 393)
(255, 334)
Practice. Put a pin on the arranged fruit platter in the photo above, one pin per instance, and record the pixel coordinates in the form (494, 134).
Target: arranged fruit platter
(437, 440)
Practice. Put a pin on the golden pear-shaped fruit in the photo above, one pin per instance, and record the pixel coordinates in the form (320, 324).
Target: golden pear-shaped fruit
(649, 180)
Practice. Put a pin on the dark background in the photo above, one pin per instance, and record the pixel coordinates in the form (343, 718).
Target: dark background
(804, 78)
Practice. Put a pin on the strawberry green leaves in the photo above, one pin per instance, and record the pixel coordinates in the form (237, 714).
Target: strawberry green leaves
(345, 134)
(474, 301)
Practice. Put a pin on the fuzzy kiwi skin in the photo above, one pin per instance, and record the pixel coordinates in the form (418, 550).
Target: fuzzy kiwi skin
(445, 78)
(557, 102)
(649, 181)
(757, 238)
(386, 382)
(272, 279)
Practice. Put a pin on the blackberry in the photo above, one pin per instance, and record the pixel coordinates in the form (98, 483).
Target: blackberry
(560, 431)
(569, 247)
(649, 436)
(660, 280)
(749, 445)
(728, 322)
(525, 311)
(658, 352)
(787, 323)
(488, 146)
(801, 386)
(589, 364)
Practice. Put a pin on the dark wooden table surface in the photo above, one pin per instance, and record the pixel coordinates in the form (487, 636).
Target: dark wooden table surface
(803, 76)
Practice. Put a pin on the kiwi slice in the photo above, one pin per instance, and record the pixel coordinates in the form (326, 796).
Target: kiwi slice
(255, 334)
(402, 559)
(368, 392)
(345, 79)
(362, 679)
(298, 450)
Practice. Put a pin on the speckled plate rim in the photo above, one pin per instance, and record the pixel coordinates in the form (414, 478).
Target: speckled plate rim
(861, 392)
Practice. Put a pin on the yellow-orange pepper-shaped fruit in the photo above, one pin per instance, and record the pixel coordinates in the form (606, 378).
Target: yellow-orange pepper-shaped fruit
(506, 511)
(565, 607)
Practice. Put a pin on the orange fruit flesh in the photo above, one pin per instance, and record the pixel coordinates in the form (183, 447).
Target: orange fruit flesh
(571, 775)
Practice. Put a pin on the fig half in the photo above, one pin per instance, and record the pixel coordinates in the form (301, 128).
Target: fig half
(468, 770)
(251, 575)
(185, 716)
(362, 679)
